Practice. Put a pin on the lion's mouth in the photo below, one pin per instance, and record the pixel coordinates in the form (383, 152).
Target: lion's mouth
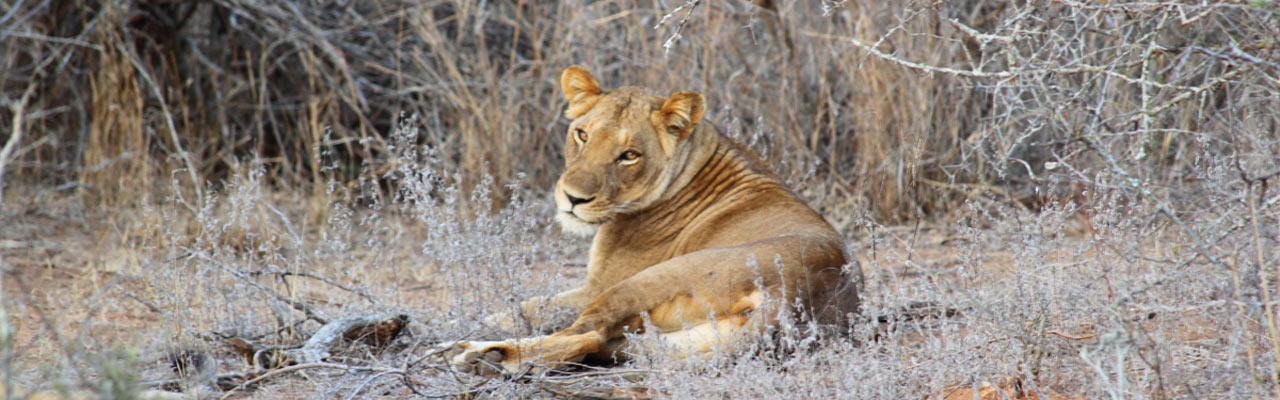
(578, 218)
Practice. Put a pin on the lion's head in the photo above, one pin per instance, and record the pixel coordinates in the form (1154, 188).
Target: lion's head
(623, 149)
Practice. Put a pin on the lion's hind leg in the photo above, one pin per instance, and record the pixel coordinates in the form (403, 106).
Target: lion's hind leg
(720, 330)
(696, 341)
(686, 327)
(704, 299)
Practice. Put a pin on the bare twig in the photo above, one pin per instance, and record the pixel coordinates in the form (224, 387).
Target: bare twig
(359, 388)
(131, 295)
(15, 136)
(299, 367)
(1273, 331)
(671, 41)
(1011, 73)
(1191, 92)
(984, 37)
(359, 292)
(1201, 247)
(245, 277)
(1086, 336)
(234, 376)
(196, 184)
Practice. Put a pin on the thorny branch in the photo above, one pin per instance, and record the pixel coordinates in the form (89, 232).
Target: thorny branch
(1023, 52)
(671, 42)
(297, 305)
(19, 110)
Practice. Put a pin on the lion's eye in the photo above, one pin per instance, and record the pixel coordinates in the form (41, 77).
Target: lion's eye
(629, 155)
(582, 135)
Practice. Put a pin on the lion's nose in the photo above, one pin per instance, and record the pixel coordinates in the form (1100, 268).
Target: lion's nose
(576, 201)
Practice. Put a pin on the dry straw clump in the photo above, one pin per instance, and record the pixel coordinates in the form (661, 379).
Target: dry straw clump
(1051, 198)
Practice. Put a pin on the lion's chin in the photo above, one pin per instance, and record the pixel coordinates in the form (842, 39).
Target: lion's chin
(573, 225)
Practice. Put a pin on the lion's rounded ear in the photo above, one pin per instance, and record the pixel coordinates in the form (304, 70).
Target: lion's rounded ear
(581, 89)
(680, 113)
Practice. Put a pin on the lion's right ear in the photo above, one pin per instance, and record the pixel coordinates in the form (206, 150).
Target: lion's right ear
(680, 113)
(581, 89)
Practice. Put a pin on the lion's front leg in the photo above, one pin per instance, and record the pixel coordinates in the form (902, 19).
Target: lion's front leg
(509, 356)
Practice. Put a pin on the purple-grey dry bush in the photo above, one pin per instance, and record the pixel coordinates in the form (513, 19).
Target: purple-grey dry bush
(1087, 185)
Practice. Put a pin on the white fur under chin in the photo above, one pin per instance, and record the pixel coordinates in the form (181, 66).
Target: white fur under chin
(574, 226)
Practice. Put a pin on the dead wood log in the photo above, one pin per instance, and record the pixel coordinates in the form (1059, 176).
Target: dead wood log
(375, 330)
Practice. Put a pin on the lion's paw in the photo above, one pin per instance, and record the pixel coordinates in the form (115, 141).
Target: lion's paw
(482, 358)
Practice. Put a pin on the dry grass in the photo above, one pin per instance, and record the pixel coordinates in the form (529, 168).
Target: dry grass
(904, 108)
(1052, 198)
(287, 82)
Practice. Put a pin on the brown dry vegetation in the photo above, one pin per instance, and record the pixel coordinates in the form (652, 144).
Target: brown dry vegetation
(1067, 198)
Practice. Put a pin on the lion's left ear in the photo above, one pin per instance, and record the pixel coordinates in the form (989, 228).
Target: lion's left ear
(680, 113)
(581, 89)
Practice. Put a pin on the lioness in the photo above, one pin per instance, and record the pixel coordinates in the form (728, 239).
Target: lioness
(679, 211)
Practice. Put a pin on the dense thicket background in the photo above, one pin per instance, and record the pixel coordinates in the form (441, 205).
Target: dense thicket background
(1118, 159)
(160, 89)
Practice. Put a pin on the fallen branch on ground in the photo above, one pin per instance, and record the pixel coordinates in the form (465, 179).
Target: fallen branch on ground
(377, 330)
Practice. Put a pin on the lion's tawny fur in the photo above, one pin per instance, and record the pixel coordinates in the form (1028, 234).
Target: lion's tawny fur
(690, 227)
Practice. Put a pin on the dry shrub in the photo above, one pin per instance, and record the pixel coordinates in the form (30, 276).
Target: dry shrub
(287, 81)
(118, 138)
(959, 97)
(1100, 174)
